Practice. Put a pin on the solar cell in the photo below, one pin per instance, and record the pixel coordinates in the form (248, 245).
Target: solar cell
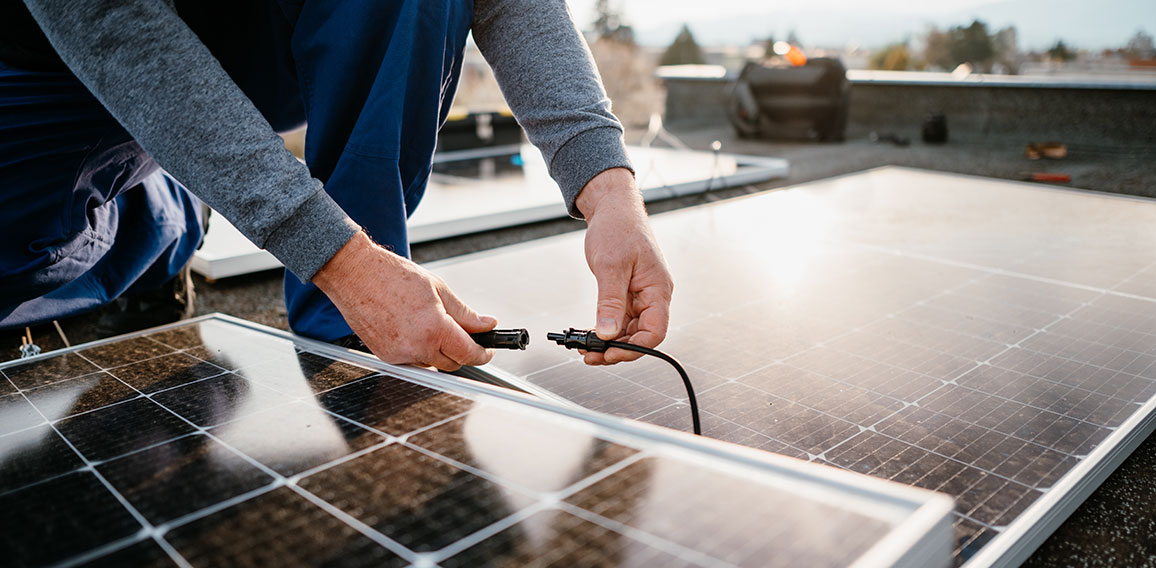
(289, 452)
(990, 340)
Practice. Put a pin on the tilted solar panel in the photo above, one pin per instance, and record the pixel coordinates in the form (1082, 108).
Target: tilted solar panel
(218, 442)
(991, 340)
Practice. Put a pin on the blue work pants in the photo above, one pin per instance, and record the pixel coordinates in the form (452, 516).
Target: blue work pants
(373, 79)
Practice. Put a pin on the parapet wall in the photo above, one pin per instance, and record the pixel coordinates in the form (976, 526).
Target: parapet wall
(1076, 111)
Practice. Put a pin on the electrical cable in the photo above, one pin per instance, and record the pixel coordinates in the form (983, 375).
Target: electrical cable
(589, 341)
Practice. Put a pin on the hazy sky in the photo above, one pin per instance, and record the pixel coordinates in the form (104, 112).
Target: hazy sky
(663, 11)
(1087, 24)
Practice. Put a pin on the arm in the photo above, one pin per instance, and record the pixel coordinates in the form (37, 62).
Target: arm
(164, 86)
(161, 83)
(548, 77)
(549, 80)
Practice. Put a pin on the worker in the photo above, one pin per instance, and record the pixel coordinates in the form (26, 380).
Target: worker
(119, 117)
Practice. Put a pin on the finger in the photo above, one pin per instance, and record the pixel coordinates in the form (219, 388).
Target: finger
(465, 316)
(615, 356)
(594, 359)
(613, 284)
(461, 348)
(630, 329)
(440, 361)
(653, 319)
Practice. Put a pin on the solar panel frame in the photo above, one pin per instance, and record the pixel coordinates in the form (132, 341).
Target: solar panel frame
(1013, 544)
(919, 536)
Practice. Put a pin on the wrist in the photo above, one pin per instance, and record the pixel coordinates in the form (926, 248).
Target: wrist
(608, 186)
(344, 262)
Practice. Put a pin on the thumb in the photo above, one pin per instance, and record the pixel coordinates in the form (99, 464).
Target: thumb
(464, 315)
(613, 284)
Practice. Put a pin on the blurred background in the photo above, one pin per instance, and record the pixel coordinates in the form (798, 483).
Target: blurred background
(630, 39)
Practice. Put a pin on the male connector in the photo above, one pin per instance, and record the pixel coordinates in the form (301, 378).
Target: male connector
(587, 340)
(584, 339)
(502, 339)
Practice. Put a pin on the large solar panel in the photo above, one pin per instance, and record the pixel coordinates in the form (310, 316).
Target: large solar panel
(220, 443)
(503, 186)
(990, 340)
(489, 188)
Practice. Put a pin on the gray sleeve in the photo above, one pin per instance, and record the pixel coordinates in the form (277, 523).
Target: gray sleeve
(549, 79)
(161, 83)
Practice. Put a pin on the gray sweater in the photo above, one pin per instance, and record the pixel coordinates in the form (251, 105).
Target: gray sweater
(162, 84)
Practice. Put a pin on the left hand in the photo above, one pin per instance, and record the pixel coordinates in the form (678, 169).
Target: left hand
(634, 284)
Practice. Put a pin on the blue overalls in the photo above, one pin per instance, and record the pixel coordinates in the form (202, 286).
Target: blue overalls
(88, 216)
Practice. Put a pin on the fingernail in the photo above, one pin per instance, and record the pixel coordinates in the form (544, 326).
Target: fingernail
(607, 327)
(489, 320)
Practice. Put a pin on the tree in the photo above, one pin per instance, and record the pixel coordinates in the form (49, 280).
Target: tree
(609, 24)
(937, 49)
(1007, 53)
(684, 50)
(1061, 52)
(1141, 46)
(894, 57)
(972, 45)
(793, 39)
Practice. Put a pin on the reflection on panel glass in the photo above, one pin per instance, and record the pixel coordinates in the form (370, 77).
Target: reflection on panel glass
(656, 496)
(239, 448)
(950, 333)
(526, 450)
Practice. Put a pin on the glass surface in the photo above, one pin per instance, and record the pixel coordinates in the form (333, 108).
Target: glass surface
(558, 538)
(657, 496)
(211, 444)
(970, 336)
(58, 518)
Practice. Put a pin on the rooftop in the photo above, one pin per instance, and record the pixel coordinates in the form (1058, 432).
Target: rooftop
(1100, 532)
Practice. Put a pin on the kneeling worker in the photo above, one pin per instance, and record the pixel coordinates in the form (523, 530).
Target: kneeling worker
(96, 96)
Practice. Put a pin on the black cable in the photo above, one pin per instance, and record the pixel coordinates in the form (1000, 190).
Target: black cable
(589, 341)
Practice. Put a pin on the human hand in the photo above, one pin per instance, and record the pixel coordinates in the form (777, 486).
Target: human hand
(402, 312)
(634, 284)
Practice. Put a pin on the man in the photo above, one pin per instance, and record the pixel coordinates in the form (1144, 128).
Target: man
(116, 89)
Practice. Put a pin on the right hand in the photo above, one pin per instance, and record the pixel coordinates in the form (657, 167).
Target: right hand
(403, 313)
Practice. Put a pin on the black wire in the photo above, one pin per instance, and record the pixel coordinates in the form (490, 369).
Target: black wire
(677, 367)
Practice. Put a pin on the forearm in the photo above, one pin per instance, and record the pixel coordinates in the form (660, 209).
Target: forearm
(549, 79)
(164, 86)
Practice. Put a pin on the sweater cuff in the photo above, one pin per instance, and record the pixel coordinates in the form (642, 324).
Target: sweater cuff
(308, 238)
(585, 156)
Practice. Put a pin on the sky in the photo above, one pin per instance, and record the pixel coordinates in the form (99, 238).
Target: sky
(651, 10)
(1091, 24)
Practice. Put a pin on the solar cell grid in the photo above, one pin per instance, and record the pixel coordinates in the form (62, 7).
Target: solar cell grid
(976, 337)
(283, 456)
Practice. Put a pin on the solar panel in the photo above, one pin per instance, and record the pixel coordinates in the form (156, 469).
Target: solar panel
(503, 186)
(218, 442)
(990, 340)
(488, 188)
